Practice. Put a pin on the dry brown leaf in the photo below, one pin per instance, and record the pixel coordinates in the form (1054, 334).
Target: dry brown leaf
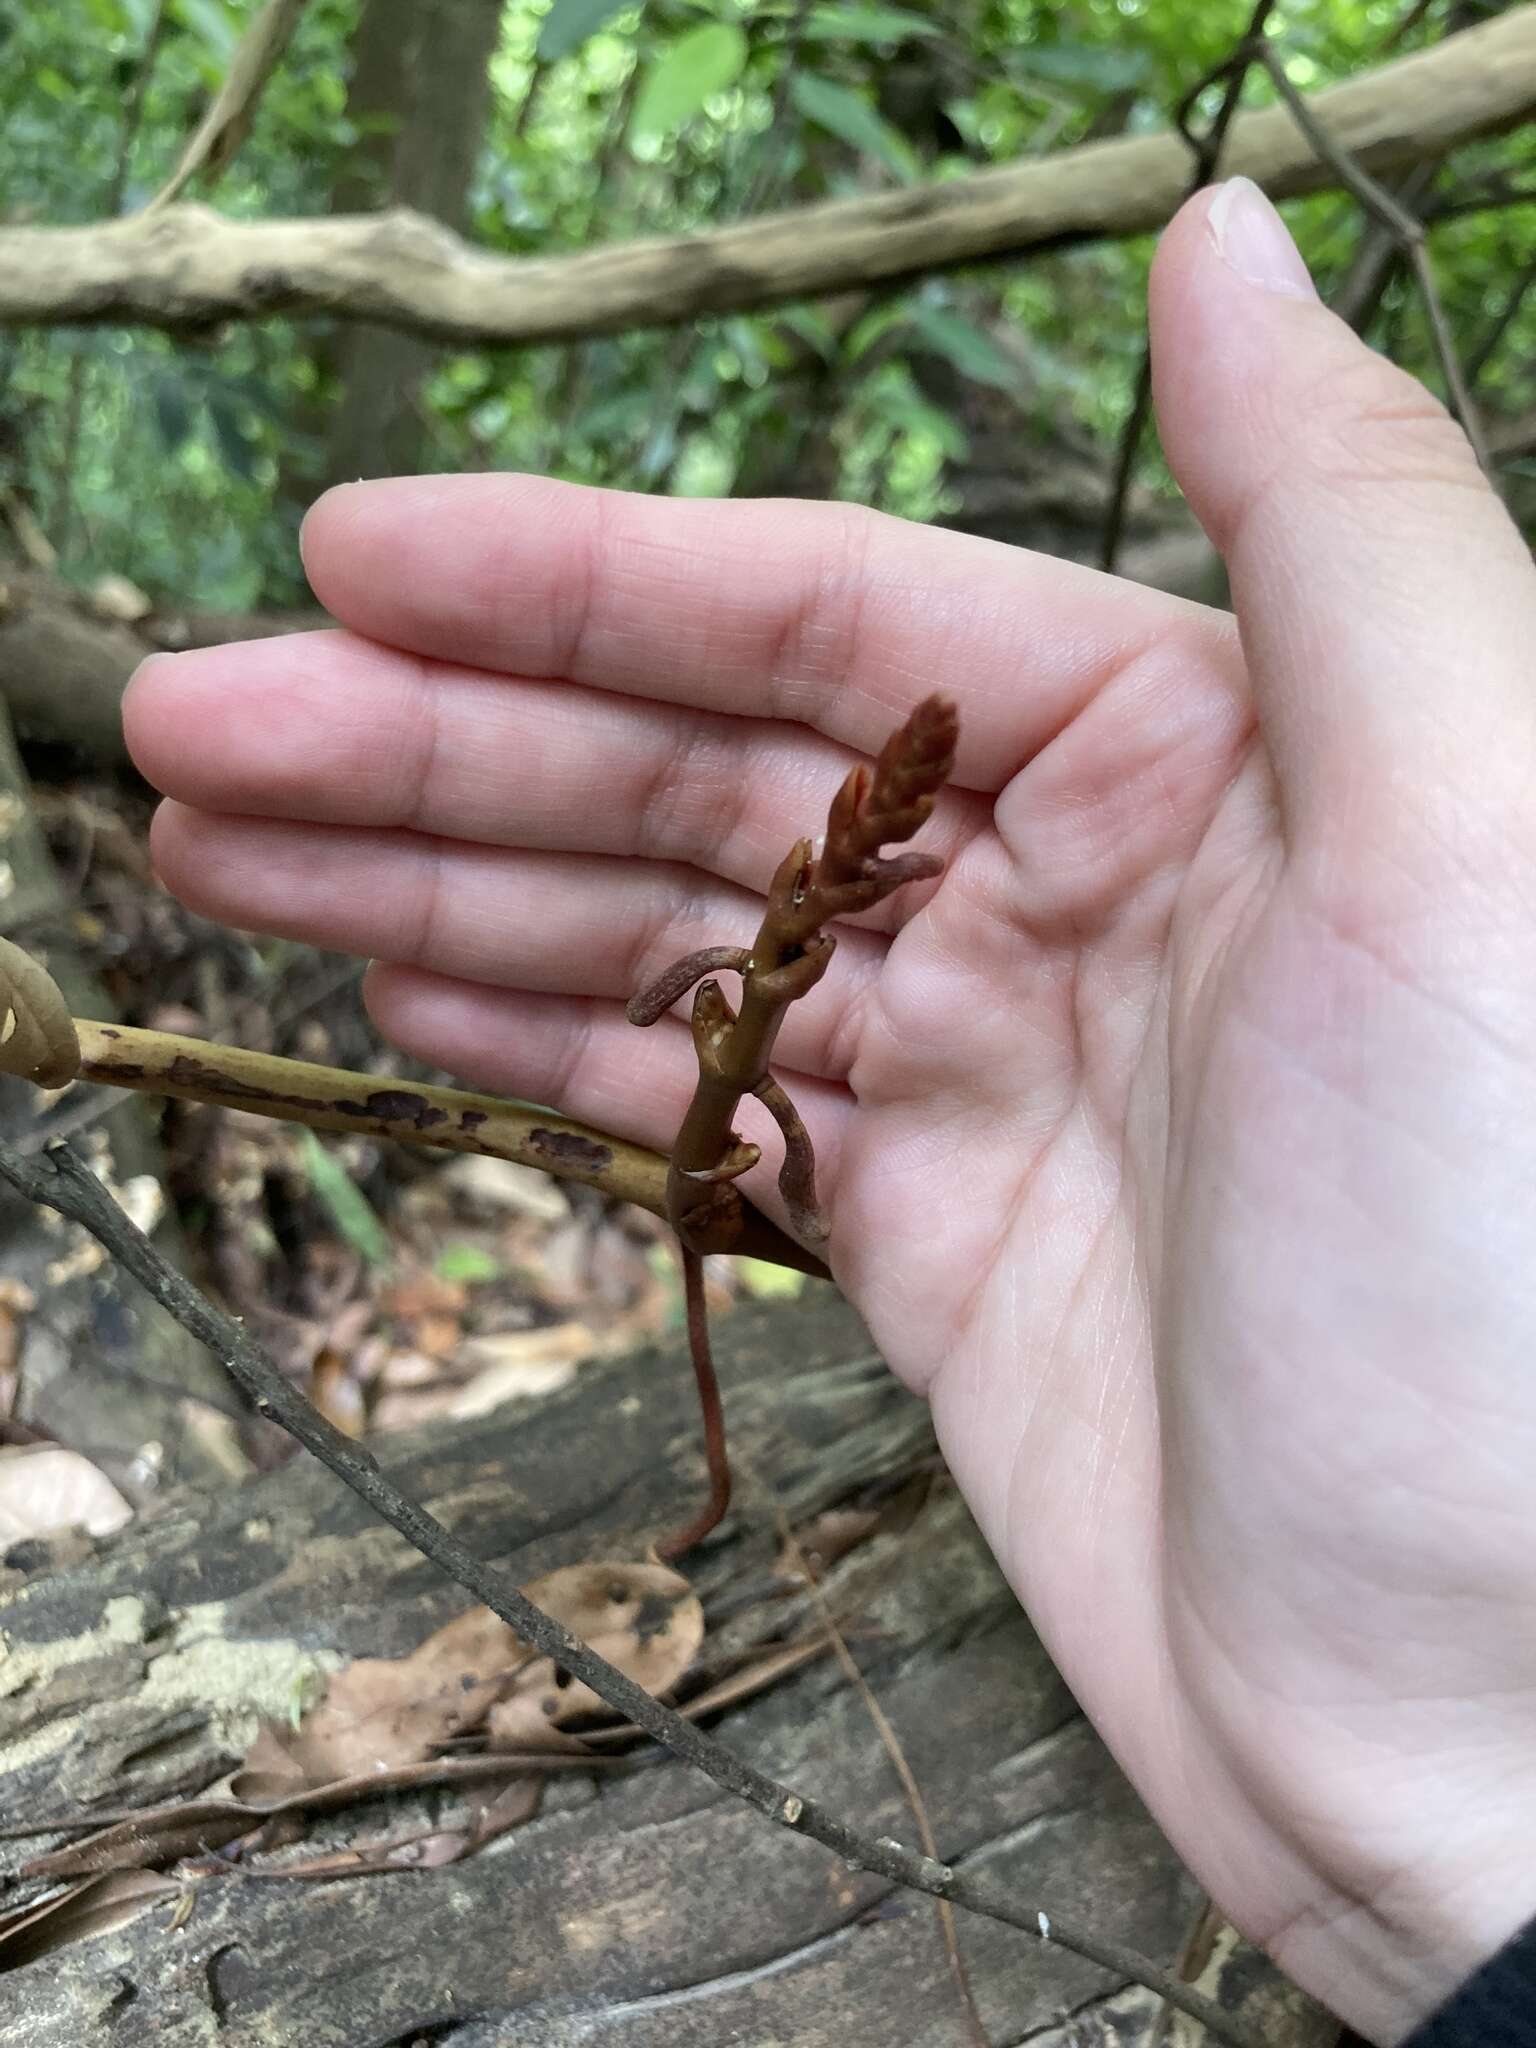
(423, 1293)
(824, 1539)
(518, 1364)
(335, 1393)
(376, 1859)
(380, 1712)
(45, 1487)
(96, 1905)
(506, 1809)
(642, 1617)
(501, 1185)
(159, 1835)
(741, 1685)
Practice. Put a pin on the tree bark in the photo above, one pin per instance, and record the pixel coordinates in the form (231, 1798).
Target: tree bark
(420, 95)
(186, 267)
(638, 1909)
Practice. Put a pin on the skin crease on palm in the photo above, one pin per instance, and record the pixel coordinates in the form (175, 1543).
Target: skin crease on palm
(1180, 1143)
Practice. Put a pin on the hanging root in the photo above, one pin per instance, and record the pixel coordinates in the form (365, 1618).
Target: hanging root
(713, 1511)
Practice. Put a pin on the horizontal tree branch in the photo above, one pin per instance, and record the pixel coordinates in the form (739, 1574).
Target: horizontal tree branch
(63, 1182)
(187, 267)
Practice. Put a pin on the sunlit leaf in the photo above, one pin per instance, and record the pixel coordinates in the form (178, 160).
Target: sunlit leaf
(569, 22)
(466, 1262)
(769, 1282)
(688, 72)
(842, 113)
(212, 23)
(866, 25)
(349, 1207)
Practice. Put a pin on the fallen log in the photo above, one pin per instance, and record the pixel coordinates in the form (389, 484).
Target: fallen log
(641, 1906)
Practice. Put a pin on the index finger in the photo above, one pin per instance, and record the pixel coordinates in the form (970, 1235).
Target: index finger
(824, 614)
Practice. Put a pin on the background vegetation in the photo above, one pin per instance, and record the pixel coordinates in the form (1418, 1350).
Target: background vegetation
(539, 129)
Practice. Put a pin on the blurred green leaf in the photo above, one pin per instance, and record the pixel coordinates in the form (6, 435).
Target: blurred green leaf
(687, 73)
(569, 22)
(350, 1209)
(769, 1282)
(970, 348)
(867, 25)
(212, 23)
(173, 410)
(240, 451)
(1101, 67)
(898, 401)
(853, 120)
(466, 1262)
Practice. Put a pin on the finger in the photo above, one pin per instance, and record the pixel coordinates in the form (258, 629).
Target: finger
(336, 730)
(586, 1060)
(824, 614)
(557, 924)
(1387, 604)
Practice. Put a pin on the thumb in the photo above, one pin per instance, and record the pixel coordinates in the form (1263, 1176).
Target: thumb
(1386, 602)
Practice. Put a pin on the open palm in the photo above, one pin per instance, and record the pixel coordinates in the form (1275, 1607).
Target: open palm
(1180, 1142)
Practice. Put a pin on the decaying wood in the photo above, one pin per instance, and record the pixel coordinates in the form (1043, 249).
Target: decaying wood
(638, 1909)
(188, 267)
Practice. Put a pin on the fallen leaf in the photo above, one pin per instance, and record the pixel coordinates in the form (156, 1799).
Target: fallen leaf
(823, 1540)
(163, 1834)
(642, 1617)
(45, 1487)
(518, 1364)
(753, 1678)
(336, 1394)
(97, 1905)
(767, 1281)
(383, 1711)
(501, 1185)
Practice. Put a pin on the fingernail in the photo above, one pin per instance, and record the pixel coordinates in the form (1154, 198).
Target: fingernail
(1253, 240)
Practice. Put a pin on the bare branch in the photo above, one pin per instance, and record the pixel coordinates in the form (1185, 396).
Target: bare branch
(1207, 150)
(63, 1182)
(1382, 206)
(185, 267)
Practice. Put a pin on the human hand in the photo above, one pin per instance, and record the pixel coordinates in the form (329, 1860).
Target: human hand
(1180, 1143)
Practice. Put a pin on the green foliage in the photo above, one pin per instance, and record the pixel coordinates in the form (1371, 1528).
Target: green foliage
(348, 1207)
(683, 77)
(843, 113)
(189, 460)
(568, 24)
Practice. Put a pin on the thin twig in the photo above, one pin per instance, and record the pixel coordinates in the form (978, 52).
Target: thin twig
(1519, 291)
(891, 1743)
(336, 1099)
(1207, 153)
(63, 1182)
(1409, 229)
(228, 120)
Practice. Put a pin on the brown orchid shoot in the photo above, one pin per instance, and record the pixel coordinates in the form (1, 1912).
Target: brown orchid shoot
(880, 804)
